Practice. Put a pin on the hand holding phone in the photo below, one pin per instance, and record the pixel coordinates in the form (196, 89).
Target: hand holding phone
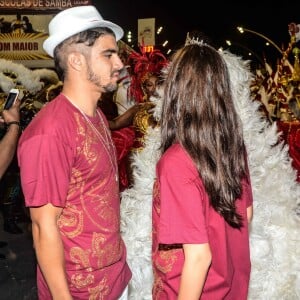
(11, 98)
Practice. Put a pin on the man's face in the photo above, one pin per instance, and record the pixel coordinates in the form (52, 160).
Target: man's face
(104, 64)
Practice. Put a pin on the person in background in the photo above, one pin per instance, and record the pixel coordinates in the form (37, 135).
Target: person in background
(68, 166)
(17, 25)
(145, 79)
(139, 80)
(8, 143)
(5, 26)
(145, 74)
(122, 134)
(27, 25)
(202, 195)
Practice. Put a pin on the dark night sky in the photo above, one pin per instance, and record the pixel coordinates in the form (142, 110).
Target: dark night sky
(217, 19)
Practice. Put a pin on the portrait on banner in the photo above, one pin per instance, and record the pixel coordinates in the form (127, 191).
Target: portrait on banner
(146, 32)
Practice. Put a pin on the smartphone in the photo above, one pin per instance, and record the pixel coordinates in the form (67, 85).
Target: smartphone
(11, 98)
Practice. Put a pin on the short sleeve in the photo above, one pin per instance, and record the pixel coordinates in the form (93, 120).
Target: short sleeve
(45, 170)
(181, 201)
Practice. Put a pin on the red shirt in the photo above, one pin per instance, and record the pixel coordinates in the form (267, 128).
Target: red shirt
(182, 215)
(64, 162)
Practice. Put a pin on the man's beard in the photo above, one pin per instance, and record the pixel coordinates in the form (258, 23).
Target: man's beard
(95, 79)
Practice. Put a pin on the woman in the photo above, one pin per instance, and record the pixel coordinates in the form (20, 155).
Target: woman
(276, 211)
(202, 198)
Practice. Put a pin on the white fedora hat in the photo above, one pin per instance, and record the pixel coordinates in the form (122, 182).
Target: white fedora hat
(74, 20)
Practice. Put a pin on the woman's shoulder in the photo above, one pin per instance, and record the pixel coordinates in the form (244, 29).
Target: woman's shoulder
(176, 158)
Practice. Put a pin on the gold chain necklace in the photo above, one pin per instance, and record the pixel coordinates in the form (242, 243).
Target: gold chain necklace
(104, 141)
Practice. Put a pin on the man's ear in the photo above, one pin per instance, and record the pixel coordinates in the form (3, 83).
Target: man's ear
(76, 61)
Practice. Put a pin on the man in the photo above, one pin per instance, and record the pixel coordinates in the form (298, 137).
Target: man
(68, 166)
(8, 144)
(17, 25)
(27, 25)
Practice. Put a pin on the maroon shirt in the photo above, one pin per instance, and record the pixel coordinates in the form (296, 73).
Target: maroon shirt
(182, 215)
(63, 161)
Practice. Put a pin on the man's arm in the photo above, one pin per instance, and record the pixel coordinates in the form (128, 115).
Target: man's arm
(8, 145)
(9, 142)
(49, 249)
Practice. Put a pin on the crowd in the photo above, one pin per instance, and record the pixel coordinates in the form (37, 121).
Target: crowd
(18, 25)
(138, 204)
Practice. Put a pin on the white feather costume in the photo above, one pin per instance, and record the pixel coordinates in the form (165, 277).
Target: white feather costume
(275, 229)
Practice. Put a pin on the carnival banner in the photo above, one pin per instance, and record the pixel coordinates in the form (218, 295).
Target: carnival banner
(41, 4)
(22, 37)
(24, 27)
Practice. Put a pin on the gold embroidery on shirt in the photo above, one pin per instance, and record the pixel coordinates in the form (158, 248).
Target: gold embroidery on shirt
(71, 221)
(100, 291)
(167, 260)
(79, 281)
(98, 211)
(80, 257)
(106, 255)
(163, 264)
(85, 148)
(157, 287)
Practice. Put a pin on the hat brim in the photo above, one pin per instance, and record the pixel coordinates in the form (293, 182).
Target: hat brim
(52, 41)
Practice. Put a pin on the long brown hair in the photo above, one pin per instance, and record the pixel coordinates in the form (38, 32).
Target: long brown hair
(198, 112)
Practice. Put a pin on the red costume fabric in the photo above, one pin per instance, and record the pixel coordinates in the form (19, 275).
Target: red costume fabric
(182, 214)
(291, 136)
(123, 140)
(64, 162)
